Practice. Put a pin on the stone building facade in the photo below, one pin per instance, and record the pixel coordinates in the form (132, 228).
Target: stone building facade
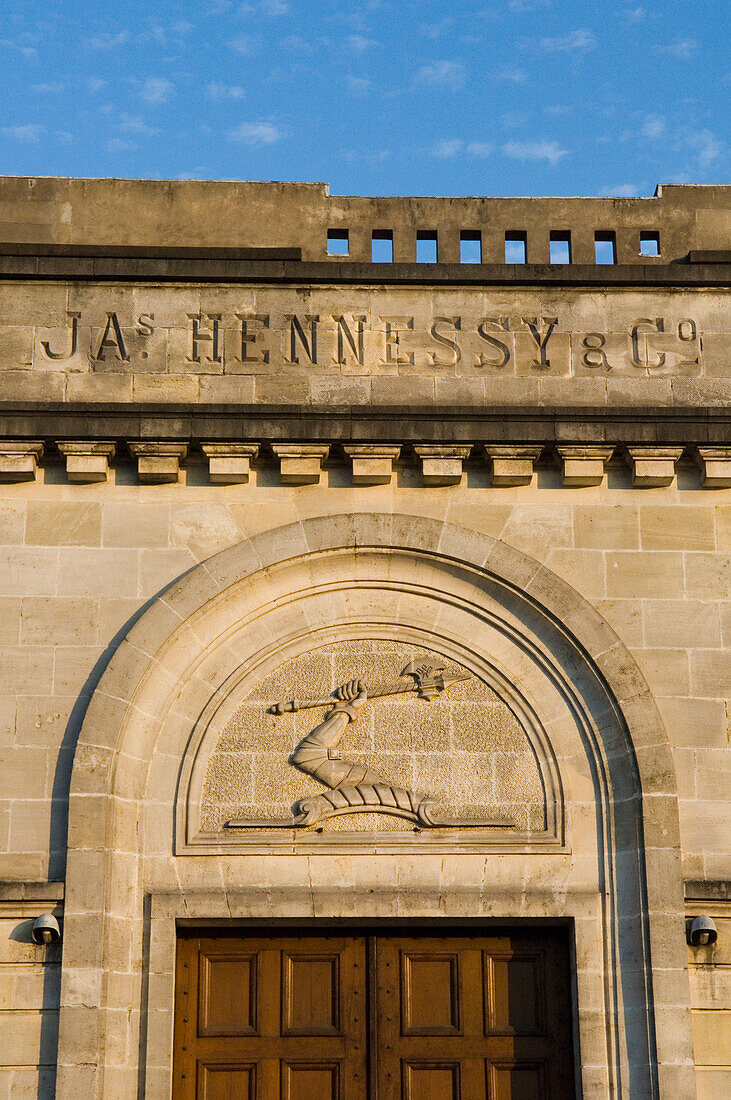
(260, 444)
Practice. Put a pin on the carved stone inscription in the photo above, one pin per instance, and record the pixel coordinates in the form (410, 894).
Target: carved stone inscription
(432, 747)
(280, 333)
(490, 344)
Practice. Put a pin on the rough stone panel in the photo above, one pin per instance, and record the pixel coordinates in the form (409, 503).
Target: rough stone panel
(537, 529)
(165, 387)
(712, 1083)
(670, 527)
(636, 573)
(72, 667)
(58, 620)
(99, 387)
(77, 524)
(584, 569)
(9, 620)
(33, 385)
(666, 670)
(625, 617)
(708, 576)
(132, 524)
(691, 623)
(42, 719)
(606, 526)
(26, 571)
(158, 568)
(12, 522)
(695, 722)
(94, 573)
(712, 1037)
(710, 673)
(26, 669)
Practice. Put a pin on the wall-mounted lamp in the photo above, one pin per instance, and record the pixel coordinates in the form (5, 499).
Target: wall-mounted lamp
(701, 931)
(45, 929)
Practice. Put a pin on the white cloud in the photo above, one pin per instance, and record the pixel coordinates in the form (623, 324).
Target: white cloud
(107, 41)
(169, 34)
(683, 49)
(244, 44)
(23, 44)
(449, 74)
(447, 148)
(274, 7)
(225, 91)
(51, 88)
(452, 147)
(135, 124)
(358, 43)
(653, 127)
(622, 191)
(513, 75)
(549, 151)
(556, 110)
(581, 39)
(635, 15)
(527, 5)
(119, 145)
(257, 133)
(29, 133)
(265, 7)
(359, 84)
(95, 85)
(156, 89)
(479, 149)
(436, 30)
(706, 145)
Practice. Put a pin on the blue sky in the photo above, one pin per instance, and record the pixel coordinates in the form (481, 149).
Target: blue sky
(520, 97)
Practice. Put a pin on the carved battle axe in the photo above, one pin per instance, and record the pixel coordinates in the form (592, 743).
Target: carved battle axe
(428, 681)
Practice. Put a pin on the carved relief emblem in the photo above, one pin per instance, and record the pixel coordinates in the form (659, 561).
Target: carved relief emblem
(354, 787)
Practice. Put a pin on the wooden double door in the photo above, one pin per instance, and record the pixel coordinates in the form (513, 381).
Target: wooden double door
(374, 1017)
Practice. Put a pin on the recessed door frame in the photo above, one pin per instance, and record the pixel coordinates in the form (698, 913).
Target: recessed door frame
(203, 914)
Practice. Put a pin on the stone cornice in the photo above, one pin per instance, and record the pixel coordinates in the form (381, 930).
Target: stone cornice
(672, 425)
(268, 266)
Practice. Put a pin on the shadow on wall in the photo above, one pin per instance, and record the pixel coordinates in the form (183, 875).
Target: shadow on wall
(67, 748)
(49, 957)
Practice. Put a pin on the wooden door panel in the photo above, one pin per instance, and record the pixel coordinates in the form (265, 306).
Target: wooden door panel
(475, 1017)
(227, 993)
(512, 1081)
(431, 1081)
(311, 1081)
(226, 1082)
(429, 994)
(288, 1017)
(310, 993)
(514, 993)
(275, 1018)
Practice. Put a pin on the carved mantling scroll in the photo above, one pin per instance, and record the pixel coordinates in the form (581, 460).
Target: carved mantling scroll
(355, 787)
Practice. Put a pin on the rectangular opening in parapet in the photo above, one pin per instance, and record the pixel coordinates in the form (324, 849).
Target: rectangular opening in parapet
(382, 246)
(516, 247)
(337, 242)
(605, 247)
(426, 246)
(560, 246)
(650, 243)
(470, 247)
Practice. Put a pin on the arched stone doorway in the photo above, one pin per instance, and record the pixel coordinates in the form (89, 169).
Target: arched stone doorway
(140, 859)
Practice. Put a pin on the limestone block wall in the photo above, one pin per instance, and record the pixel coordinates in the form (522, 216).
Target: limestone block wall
(30, 982)
(710, 994)
(209, 214)
(80, 562)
